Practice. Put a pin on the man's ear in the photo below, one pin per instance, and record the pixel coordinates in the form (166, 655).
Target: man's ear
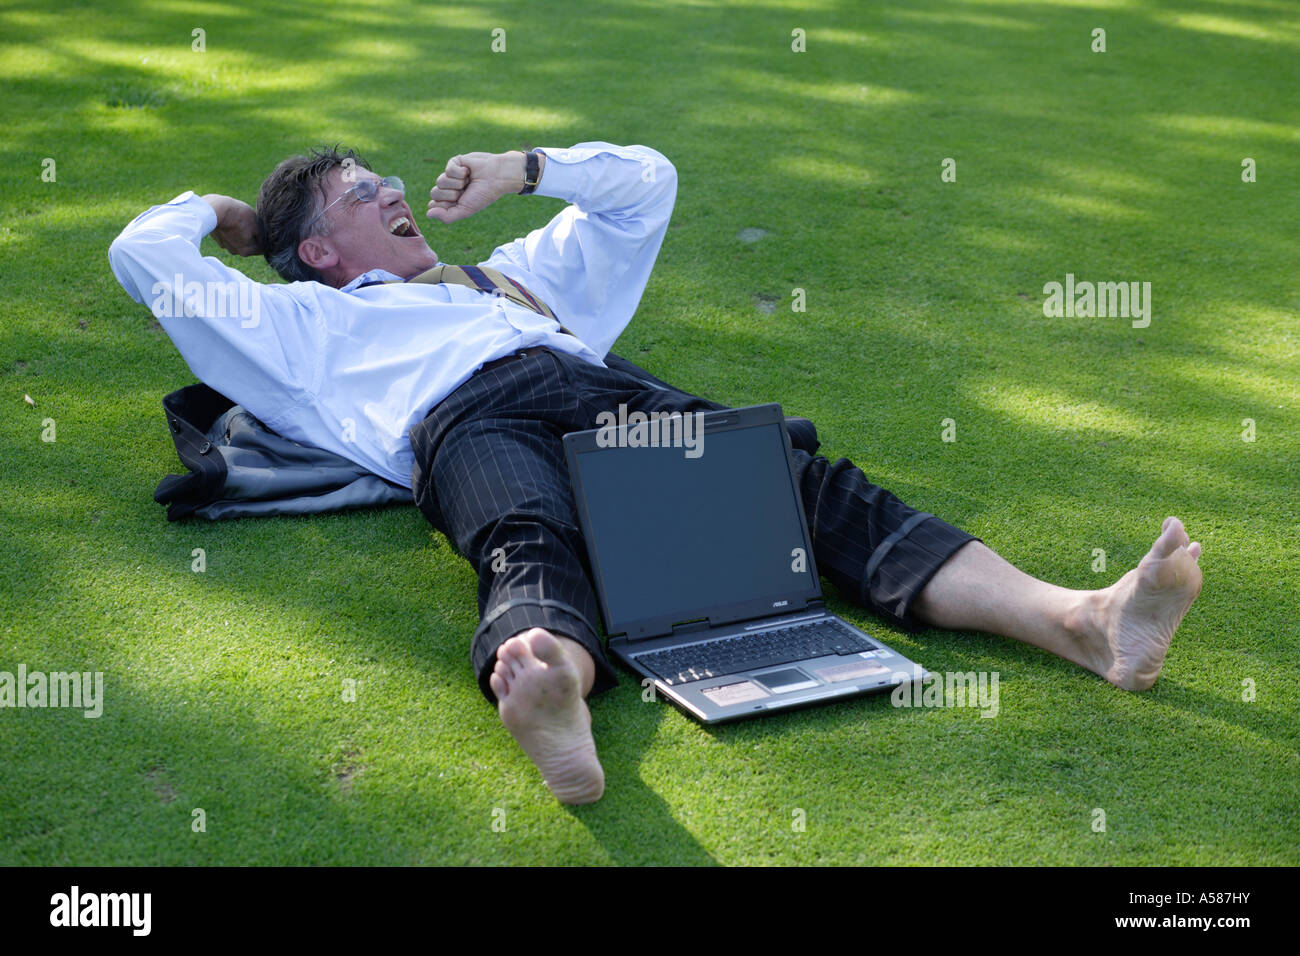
(318, 252)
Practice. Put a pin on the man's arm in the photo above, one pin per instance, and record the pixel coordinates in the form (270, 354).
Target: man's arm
(592, 261)
(257, 344)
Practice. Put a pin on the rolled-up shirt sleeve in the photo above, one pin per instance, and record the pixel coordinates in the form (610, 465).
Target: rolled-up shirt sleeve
(259, 342)
(592, 261)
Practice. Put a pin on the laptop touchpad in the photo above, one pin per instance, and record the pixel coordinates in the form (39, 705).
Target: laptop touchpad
(785, 680)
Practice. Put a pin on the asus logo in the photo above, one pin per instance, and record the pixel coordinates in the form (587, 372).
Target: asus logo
(780, 603)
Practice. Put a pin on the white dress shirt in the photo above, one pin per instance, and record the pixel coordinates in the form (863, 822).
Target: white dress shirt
(351, 370)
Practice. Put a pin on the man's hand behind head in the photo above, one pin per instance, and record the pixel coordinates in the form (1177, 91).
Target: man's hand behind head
(237, 230)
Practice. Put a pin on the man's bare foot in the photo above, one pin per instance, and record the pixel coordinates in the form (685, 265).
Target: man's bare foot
(1127, 627)
(539, 695)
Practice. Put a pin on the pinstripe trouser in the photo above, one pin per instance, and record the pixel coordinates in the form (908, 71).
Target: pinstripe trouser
(490, 474)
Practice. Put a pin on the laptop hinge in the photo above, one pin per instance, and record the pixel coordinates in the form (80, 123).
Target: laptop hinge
(691, 626)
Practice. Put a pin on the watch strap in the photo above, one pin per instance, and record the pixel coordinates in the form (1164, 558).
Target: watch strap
(531, 177)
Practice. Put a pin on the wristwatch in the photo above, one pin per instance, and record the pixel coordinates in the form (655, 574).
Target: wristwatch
(531, 176)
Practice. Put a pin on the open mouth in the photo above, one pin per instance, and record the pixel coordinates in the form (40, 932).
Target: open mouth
(403, 227)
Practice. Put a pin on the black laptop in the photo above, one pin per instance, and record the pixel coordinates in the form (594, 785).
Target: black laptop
(701, 557)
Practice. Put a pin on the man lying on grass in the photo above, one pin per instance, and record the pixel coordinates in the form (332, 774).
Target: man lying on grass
(460, 385)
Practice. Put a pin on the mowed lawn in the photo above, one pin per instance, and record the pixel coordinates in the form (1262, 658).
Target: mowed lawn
(1074, 436)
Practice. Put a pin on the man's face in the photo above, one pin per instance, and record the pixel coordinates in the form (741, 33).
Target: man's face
(379, 234)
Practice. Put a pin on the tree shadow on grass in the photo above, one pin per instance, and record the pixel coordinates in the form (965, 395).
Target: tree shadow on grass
(633, 823)
(381, 625)
(121, 790)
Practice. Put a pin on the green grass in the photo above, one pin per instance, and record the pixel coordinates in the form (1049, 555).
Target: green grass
(924, 302)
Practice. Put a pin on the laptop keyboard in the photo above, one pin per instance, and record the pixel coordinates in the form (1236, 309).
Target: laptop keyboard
(744, 652)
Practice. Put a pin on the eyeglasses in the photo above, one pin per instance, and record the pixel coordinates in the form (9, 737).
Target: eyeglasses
(364, 191)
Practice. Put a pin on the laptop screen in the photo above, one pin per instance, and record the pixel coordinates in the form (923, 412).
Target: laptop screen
(676, 538)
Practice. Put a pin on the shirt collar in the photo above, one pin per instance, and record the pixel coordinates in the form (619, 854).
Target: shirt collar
(369, 278)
